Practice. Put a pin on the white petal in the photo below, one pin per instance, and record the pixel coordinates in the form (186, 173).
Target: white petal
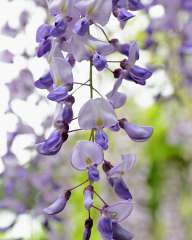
(122, 168)
(96, 113)
(61, 71)
(119, 211)
(85, 154)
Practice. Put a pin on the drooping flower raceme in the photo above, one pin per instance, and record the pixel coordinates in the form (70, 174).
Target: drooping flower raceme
(65, 41)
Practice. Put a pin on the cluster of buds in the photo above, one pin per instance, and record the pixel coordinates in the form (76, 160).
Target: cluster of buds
(65, 41)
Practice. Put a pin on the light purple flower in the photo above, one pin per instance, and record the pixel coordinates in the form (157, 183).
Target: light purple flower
(88, 197)
(93, 173)
(58, 205)
(44, 82)
(86, 154)
(58, 94)
(105, 228)
(101, 138)
(98, 11)
(126, 164)
(138, 74)
(59, 27)
(81, 26)
(99, 62)
(53, 144)
(43, 32)
(96, 113)
(135, 132)
(117, 99)
(119, 211)
(61, 72)
(120, 233)
(44, 47)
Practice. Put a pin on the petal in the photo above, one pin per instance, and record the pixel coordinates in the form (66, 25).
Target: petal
(105, 228)
(44, 47)
(123, 167)
(59, 27)
(86, 154)
(53, 144)
(138, 75)
(101, 138)
(61, 71)
(99, 62)
(43, 32)
(45, 82)
(96, 113)
(81, 26)
(117, 99)
(88, 197)
(120, 233)
(97, 10)
(119, 211)
(135, 132)
(93, 174)
(58, 205)
(120, 188)
(58, 94)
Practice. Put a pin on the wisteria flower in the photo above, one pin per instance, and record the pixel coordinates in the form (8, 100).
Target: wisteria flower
(96, 113)
(53, 144)
(135, 132)
(58, 205)
(95, 10)
(86, 154)
(115, 176)
(61, 77)
(119, 211)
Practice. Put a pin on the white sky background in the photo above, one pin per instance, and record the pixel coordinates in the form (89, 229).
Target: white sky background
(33, 115)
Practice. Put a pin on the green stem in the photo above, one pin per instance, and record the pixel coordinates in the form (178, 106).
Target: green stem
(103, 31)
(91, 79)
(91, 95)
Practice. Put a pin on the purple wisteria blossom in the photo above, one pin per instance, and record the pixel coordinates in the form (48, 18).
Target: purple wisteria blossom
(68, 39)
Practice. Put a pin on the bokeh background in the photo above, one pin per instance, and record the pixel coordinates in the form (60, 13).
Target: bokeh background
(162, 178)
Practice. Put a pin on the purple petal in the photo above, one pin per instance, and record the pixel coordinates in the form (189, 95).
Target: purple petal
(58, 95)
(138, 75)
(58, 205)
(135, 5)
(105, 228)
(135, 132)
(81, 26)
(120, 188)
(59, 28)
(117, 99)
(53, 144)
(88, 197)
(43, 32)
(120, 233)
(124, 15)
(45, 82)
(93, 174)
(101, 139)
(67, 114)
(99, 62)
(44, 47)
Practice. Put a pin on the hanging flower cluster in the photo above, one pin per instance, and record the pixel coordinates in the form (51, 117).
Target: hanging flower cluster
(175, 24)
(64, 42)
